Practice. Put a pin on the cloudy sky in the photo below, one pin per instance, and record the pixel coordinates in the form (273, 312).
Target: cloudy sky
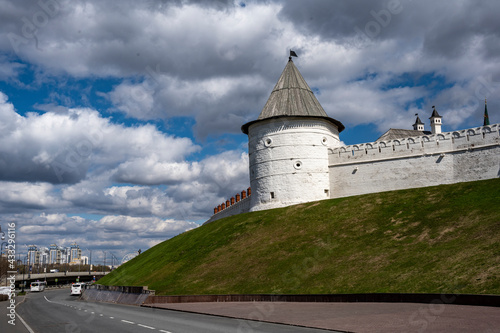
(120, 120)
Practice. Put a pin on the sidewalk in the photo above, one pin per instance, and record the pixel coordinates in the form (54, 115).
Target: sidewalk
(357, 317)
(4, 325)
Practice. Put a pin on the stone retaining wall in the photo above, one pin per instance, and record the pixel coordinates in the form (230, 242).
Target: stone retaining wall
(117, 294)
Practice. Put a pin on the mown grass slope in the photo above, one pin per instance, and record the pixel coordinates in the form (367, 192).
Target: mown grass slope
(429, 240)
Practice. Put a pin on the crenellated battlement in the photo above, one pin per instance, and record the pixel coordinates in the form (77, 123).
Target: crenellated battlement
(442, 143)
(427, 160)
(238, 204)
(234, 200)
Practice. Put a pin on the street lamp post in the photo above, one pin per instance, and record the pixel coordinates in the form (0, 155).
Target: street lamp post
(28, 262)
(3, 233)
(19, 262)
(2, 238)
(24, 268)
(1, 256)
(45, 271)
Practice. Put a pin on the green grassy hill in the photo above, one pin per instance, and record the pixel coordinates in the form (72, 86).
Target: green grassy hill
(428, 240)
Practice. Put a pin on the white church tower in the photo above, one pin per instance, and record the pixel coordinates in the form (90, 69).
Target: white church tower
(419, 125)
(435, 121)
(288, 145)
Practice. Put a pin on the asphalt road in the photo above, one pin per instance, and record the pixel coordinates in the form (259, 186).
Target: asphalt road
(54, 311)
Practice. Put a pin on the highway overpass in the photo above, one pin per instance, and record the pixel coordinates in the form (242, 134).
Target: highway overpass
(59, 277)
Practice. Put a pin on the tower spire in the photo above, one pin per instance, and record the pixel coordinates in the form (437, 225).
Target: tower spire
(486, 117)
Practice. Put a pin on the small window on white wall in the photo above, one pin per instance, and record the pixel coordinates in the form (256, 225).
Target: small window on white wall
(272, 195)
(297, 165)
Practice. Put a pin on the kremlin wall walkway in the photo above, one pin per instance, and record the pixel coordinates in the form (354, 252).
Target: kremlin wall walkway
(353, 317)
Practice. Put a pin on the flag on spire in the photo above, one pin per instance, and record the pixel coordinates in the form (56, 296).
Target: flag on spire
(486, 117)
(293, 54)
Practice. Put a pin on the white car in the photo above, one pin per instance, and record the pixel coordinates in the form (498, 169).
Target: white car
(5, 290)
(76, 288)
(37, 286)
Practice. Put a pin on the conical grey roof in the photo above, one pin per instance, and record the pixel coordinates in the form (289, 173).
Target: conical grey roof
(435, 114)
(292, 97)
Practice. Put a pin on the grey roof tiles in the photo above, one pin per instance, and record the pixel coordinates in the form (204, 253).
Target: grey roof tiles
(292, 97)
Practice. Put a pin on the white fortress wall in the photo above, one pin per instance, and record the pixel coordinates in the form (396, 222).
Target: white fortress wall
(289, 161)
(445, 158)
(481, 158)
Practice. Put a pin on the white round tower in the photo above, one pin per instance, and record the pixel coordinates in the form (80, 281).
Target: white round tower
(288, 145)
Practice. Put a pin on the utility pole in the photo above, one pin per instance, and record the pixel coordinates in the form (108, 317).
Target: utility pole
(104, 268)
(113, 260)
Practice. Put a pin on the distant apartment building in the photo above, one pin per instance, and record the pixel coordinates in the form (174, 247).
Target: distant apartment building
(55, 254)
(75, 256)
(33, 255)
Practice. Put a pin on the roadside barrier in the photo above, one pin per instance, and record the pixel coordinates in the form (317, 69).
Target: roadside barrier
(116, 294)
(462, 299)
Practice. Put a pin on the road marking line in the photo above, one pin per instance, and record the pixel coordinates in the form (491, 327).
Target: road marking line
(151, 328)
(128, 322)
(111, 317)
(100, 315)
(24, 323)
(165, 331)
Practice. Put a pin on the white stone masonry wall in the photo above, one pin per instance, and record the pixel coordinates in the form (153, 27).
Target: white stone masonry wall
(444, 158)
(288, 160)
